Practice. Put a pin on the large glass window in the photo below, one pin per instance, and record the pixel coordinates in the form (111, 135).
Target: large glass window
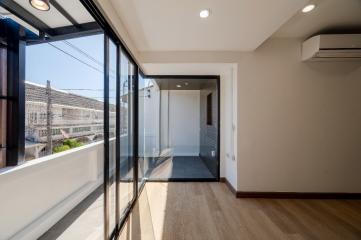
(64, 112)
(126, 133)
(64, 95)
(61, 111)
(112, 135)
(148, 124)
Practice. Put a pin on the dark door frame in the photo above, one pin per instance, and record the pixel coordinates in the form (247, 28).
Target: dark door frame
(218, 85)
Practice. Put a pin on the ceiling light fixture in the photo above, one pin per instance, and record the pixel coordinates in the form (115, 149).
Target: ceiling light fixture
(42, 5)
(186, 83)
(179, 86)
(308, 8)
(204, 13)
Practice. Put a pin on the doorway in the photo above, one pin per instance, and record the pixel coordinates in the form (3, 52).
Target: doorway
(179, 127)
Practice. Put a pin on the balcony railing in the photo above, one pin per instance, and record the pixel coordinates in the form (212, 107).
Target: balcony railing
(38, 193)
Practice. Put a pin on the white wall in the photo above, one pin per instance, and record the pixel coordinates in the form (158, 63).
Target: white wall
(184, 121)
(38, 193)
(299, 123)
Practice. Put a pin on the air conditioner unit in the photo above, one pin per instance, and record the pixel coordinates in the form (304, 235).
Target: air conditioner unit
(333, 47)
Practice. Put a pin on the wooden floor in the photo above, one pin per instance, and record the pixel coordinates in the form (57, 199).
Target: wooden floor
(209, 211)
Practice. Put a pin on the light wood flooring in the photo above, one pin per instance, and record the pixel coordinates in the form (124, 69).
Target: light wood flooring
(187, 211)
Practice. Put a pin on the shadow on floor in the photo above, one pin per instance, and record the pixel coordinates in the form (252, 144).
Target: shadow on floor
(92, 203)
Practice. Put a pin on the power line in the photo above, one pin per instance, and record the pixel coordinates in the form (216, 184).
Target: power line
(84, 89)
(86, 54)
(85, 63)
(83, 53)
(111, 72)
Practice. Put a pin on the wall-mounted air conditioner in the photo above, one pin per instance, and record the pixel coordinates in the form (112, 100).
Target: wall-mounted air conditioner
(333, 47)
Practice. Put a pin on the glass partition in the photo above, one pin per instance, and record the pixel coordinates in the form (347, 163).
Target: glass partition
(112, 133)
(179, 128)
(148, 124)
(76, 116)
(126, 133)
(64, 107)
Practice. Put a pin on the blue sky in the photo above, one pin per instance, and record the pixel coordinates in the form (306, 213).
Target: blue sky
(84, 76)
(45, 62)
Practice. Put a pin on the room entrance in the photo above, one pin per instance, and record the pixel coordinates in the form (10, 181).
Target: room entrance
(179, 127)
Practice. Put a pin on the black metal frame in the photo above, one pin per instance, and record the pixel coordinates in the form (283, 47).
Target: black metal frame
(63, 12)
(136, 130)
(15, 146)
(218, 84)
(53, 34)
(99, 18)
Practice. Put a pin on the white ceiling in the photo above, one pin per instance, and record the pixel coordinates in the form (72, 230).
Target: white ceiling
(175, 25)
(330, 16)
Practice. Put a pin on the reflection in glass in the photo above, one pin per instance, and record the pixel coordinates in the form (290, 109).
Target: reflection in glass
(126, 179)
(148, 124)
(112, 125)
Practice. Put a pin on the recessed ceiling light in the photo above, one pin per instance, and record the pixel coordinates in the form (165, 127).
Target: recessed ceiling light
(308, 8)
(179, 86)
(204, 13)
(186, 83)
(42, 5)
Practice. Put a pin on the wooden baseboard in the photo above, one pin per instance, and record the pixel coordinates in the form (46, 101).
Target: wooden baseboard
(229, 185)
(290, 195)
(298, 195)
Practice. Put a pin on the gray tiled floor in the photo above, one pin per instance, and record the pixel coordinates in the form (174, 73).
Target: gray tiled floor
(179, 168)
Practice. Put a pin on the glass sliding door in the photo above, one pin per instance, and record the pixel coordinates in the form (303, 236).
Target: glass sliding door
(125, 134)
(112, 134)
(142, 93)
(65, 104)
(79, 112)
(148, 126)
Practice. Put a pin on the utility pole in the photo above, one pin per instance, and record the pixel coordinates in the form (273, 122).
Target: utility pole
(49, 118)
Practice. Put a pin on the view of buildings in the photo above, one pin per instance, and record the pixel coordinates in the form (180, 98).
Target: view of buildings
(72, 117)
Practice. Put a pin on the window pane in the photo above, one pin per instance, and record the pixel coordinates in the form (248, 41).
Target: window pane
(112, 124)
(64, 95)
(148, 125)
(64, 113)
(126, 183)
